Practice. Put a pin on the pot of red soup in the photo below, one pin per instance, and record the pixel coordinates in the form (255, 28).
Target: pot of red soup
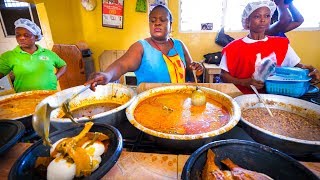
(105, 105)
(294, 129)
(168, 116)
(21, 106)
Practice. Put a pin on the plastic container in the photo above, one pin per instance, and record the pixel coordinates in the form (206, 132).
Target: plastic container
(288, 81)
(292, 71)
(23, 168)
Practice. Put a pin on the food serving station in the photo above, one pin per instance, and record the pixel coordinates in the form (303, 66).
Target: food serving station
(145, 156)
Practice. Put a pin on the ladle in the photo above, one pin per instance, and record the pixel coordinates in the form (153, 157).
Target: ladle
(261, 100)
(41, 117)
(198, 98)
(41, 122)
(194, 72)
(66, 107)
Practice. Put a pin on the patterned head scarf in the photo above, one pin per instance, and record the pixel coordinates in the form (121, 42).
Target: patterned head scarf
(252, 6)
(31, 26)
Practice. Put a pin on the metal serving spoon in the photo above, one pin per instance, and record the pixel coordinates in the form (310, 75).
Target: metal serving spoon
(41, 122)
(41, 117)
(261, 100)
(66, 107)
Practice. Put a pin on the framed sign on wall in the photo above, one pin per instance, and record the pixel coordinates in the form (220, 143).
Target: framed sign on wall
(112, 13)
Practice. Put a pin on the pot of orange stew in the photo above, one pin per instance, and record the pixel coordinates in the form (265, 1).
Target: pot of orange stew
(21, 106)
(167, 114)
(294, 129)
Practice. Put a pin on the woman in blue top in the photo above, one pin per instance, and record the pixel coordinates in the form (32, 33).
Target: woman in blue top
(158, 58)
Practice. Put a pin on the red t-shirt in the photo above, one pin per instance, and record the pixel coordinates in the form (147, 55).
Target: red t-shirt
(241, 56)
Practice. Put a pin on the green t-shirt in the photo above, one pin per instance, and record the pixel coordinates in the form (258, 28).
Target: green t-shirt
(32, 71)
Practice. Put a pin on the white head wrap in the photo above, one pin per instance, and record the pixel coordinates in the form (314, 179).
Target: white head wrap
(31, 26)
(252, 6)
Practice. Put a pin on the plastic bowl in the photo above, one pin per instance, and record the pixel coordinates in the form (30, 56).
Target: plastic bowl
(248, 155)
(10, 133)
(288, 81)
(284, 86)
(23, 168)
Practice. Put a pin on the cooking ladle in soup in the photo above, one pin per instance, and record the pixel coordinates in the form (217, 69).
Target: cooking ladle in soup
(66, 107)
(41, 117)
(261, 99)
(198, 98)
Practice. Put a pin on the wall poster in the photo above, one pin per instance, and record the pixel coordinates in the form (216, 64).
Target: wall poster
(112, 13)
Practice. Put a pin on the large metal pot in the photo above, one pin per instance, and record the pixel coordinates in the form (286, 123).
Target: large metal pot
(291, 146)
(177, 141)
(111, 92)
(18, 101)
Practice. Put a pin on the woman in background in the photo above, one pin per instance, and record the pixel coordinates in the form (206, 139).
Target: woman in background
(289, 18)
(33, 66)
(158, 58)
(239, 57)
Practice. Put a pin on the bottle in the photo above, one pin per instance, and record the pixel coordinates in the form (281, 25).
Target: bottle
(217, 78)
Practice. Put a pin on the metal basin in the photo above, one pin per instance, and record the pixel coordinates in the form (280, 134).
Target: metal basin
(111, 92)
(190, 141)
(19, 102)
(292, 146)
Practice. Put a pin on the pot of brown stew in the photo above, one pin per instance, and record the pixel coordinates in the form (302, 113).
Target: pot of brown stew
(294, 129)
(21, 106)
(105, 105)
(167, 114)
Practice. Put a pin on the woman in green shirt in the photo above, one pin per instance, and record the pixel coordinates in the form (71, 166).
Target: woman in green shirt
(33, 66)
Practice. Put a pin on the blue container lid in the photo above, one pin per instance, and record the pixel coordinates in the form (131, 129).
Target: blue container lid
(303, 73)
(290, 74)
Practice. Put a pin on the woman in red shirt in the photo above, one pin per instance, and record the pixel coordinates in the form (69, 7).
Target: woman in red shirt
(239, 57)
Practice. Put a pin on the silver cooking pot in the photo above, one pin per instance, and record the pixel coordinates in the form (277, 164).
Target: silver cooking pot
(178, 141)
(292, 146)
(115, 93)
(18, 98)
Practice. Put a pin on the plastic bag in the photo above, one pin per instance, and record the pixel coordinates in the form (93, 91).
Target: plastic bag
(223, 39)
(264, 67)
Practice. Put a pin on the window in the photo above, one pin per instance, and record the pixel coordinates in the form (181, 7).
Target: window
(227, 13)
(233, 14)
(11, 3)
(11, 10)
(310, 12)
(194, 13)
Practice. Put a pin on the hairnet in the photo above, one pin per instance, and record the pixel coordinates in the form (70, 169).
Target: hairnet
(252, 6)
(166, 8)
(31, 26)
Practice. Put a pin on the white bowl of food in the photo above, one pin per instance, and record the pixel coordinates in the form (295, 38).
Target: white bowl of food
(105, 105)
